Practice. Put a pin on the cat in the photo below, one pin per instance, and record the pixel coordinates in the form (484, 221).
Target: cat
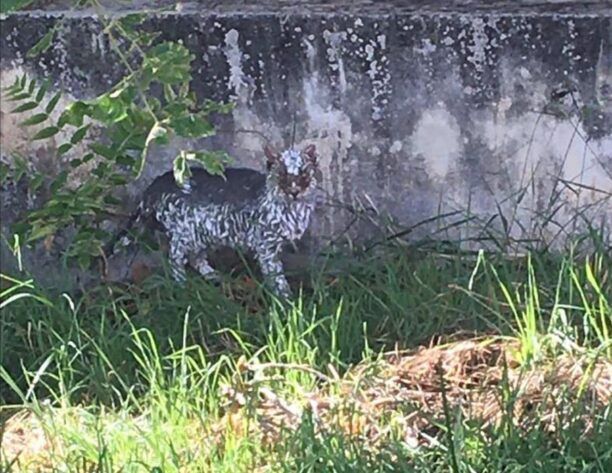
(244, 210)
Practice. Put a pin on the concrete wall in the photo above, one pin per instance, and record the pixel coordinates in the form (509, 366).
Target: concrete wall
(417, 108)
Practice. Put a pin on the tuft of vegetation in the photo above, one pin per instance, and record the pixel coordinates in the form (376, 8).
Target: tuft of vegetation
(108, 137)
(405, 361)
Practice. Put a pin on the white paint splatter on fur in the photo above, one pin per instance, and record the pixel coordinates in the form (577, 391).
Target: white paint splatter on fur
(293, 161)
(273, 211)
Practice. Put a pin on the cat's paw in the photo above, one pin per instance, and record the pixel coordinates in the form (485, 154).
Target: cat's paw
(282, 290)
(213, 277)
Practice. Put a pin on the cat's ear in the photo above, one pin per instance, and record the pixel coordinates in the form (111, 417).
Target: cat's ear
(272, 157)
(311, 152)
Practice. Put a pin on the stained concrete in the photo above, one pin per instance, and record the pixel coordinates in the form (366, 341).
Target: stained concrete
(497, 113)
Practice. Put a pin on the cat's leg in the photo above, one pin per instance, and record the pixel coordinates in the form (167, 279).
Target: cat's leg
(178, 259)
(203, 267)
(272, 269)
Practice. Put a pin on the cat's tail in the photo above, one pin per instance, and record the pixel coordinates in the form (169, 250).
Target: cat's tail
(123, 235)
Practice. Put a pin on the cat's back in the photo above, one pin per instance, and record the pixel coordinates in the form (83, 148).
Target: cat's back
(239, 186)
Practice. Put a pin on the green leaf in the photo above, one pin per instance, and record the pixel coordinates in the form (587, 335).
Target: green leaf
(18, 97)
(32, 86)
(121, 136)
(213, 161)
(169, 63)
(192, 126)
(74, 114)
(42, 45)
(109, 110)
(53, 102)
(39, 230)
(46, 133)
(136, 143)
(23, 81)
(21, 167)
(128, 22)
(79, 134)
(25, 107)
(42, 91)
(118, 180)
(37, 181)
(138, 120)
(59, 181)
(125, 160)
(100, 170)
(35, 119)
(11, 91)
(84, 260)
(75, 163)
(176, 109)
(63, 149)
(219, 107)
(103, 150)
(169, 93)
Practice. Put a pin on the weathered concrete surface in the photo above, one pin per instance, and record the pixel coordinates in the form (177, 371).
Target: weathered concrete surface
(376, 7)
(416, 109)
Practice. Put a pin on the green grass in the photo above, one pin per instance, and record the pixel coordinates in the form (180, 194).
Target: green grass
(136, 379)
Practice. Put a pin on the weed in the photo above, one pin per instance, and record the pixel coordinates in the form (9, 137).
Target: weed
(163, 378)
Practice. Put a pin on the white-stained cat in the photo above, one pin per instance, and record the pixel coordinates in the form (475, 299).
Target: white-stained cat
(246, 210)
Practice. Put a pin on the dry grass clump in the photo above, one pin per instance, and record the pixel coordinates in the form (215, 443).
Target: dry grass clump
(23, 439)
(400, 397)
(403, 395)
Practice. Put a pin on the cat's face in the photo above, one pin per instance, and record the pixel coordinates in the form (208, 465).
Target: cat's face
(293, 171)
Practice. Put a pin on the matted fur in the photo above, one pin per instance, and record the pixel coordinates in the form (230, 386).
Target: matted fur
(245, 210)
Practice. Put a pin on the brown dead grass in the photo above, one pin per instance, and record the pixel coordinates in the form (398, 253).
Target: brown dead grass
(404, 394)
(23, 441)
(401, 396)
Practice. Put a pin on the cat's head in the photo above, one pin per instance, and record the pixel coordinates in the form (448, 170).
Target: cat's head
(294, 172)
